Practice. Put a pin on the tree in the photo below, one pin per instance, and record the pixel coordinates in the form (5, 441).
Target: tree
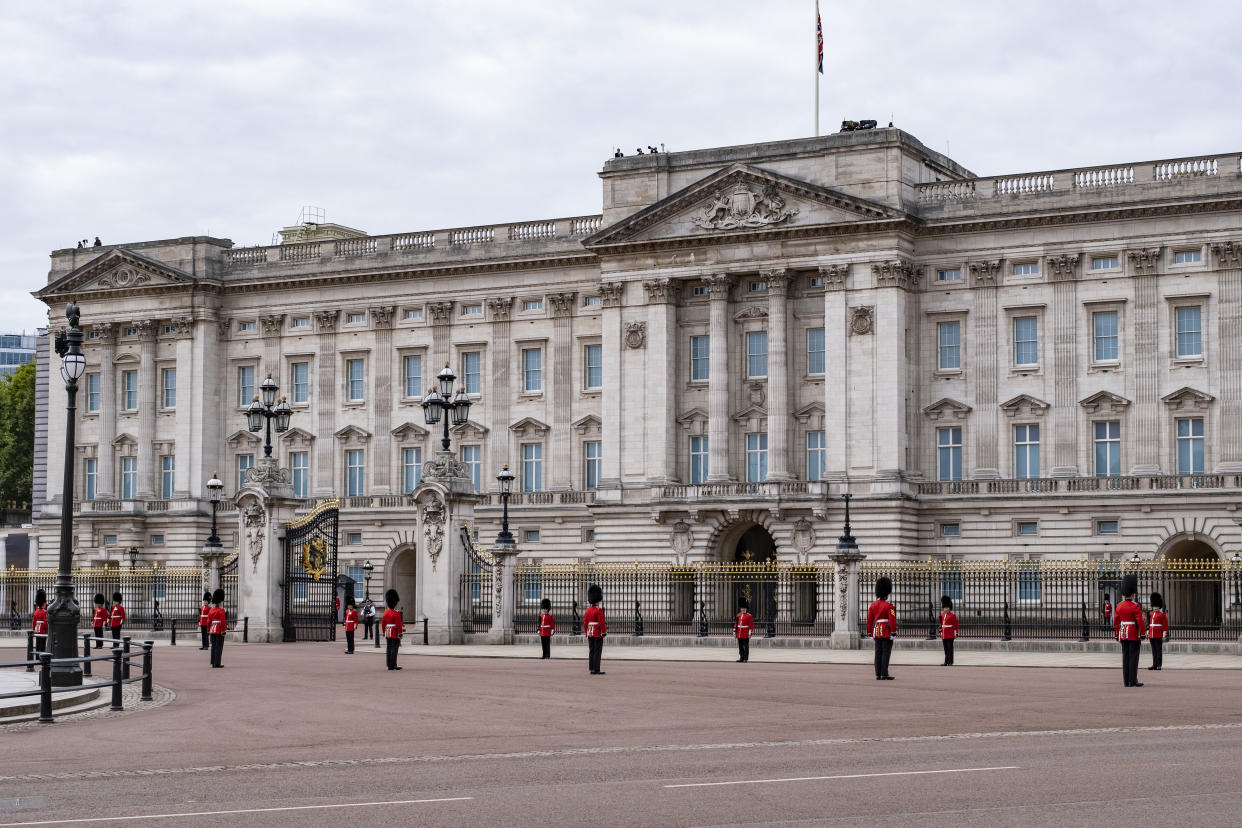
(17, 421)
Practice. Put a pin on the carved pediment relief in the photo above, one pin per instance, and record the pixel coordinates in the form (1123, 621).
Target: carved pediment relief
(751, 414)
(410, 433)
(118, 270)
(1024, 405)
(947, 409)
(589, 425)
(1104, 402)
(811, 414)
(352, 435)
(751, 312)
(1187, 398)
(297, 438)
(529, 427)
(471, 430)
(241, 440)
(124, 442)
(694, 421)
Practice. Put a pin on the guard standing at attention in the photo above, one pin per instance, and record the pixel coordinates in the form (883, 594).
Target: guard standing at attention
(882, 622)
(116, 618)
(1157, 630)
(948, 629)
(547, 626)
(218, 621)
(1129, 627)
(392, 627)
(742, 626)
(99, 619)
(1106, 610)
(596, 628)
(38, 621)
(351, 624)
(204, 619)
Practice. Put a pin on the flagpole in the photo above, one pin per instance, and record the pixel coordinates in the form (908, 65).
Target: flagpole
(818, 58)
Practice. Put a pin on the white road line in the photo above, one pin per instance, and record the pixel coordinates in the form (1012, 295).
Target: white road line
(846, 776)
(238, 811)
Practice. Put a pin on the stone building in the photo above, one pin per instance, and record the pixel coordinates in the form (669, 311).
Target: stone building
(1037, 364)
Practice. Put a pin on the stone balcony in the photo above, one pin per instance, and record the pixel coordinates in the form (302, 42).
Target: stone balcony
(1078, 485)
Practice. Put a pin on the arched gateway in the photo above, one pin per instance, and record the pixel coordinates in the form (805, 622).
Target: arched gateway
(1193, 584)
(748, 552)
(402, 569)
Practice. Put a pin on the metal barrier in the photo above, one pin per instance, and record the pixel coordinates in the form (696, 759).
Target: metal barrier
(120, 656)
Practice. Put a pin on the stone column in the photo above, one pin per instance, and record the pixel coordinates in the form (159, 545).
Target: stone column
(325, 404)
(836, 371)
(882, 331)
(718, 379)
(381, 366)
(189, 401)
(272, 326)
(778, 375)
(612, 295)
(441, 314)
(1064, 335)
(499, 394)
(1229, 310)
(561, 471)
(984, 358)
(1143, 440)
(106, 480)
(662, 373)
(211, 556)
(446, 500)
(504, 595)
(264, 505)
(146, 409)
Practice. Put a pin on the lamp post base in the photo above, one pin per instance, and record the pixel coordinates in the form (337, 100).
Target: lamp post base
(63, 616)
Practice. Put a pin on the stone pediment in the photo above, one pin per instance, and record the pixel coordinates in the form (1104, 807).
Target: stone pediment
(812, 413)
(947, 409)
(750, 413)
(1104, 402)
(471, 430)
(529, 427)
(242, 439)
(1024, 405)
(590, 424)
(1187, 398)
(410, 432)
(738, 199)
(694, 421)
(297, 438)
(117, 270)
(351, 434)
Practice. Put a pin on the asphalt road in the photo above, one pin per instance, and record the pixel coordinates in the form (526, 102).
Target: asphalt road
(305, 735)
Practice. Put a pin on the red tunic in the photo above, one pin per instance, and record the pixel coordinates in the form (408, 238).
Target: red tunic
(547, 624)
(1128, 621)
(744, 624)
(882, 619)
(948, 625)
(118, 615)
(100, 618)
(1158, 626)
(351, 619)
(391, 624)
(593, 622)
(1106, 610)
(218, 619)
(204, 615)
(39, 621)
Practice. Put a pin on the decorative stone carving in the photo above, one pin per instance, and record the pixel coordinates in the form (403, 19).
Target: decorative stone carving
(1228, 254)
(834, 276)
(898, 274)
(1145, 261)
(862, 320)
(985, 274)
(1187, 398)
(803, 536)
(224, 327)
(255, 521)
(183, 327)
(441, 467)
(751, 312)
(718, 285)
(499, 308)
(1024, 405)
(947, 408)
(562, 303)
(146, 329)
(743, 208)
(529, 427)
(681, 539)
(441, 312)
(106, 331)
(661, 291)
(382, 315)
(268, 472)
(272, 323)
(431, 511)
(325, 320)
(1104, 402)
(635, 334)
(611, 294)
(756, 394)
(1064, 268)
(777, 279)
(843, 590)
(124, 277)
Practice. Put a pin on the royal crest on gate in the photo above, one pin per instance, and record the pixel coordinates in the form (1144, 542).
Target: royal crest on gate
(742, 207)
(315, 557)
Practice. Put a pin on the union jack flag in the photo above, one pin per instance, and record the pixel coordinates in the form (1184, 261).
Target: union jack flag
(819, 40)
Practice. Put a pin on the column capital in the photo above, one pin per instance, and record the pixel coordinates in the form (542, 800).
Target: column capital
(183, 327)
(106, 331)
(985, 273)
(898, 273)
(224, 327)
(718, 285)
(499, 308)
(382, 315)
(1228, 254)
(662, 291)
(1064, 268)
(562, 303)
(272, 324)
(146, 330)
(834, 276)
(777, 280)
(612, 294)
(441, 312)
(1145, 261)
(325, 320)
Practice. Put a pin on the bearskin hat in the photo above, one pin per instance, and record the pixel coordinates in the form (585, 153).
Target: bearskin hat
(206, 597)
(946, 602)
(594, 594)
(99, 599)
(217, 597)
(545, 604)
(1157, 600)
(1129, 585)
(391, 598)
(40, 598)
(742, 603)
(883, 587)
(349, 600)
(117, 598)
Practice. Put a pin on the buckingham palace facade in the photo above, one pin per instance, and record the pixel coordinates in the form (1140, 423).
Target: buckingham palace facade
(1037, 365)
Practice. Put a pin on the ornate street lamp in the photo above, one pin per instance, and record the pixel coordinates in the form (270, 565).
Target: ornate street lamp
(367, 568)
(505, 479)
(64, 612)
(263, 411)
(440, 401)
(1236, 560)
(215, 486)
(133, 557)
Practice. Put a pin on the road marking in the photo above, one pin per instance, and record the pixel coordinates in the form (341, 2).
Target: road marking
(846, 776)
(596, 751)
(238, 811)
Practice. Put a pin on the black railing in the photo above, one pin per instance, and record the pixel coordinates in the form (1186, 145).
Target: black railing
(119, 656)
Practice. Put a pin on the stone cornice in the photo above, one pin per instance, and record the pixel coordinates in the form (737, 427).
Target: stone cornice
(976, 224)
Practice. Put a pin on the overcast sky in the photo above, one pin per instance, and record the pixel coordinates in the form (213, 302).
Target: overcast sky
(149, 120)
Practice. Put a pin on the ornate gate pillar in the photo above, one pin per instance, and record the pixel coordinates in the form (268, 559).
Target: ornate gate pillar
(845, 633)
(445, 499)
(211, 556)
(504, 593)
(264, 504)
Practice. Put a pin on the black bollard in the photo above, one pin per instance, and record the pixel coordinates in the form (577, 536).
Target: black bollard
(377, 637)
(638, 621)
(30, 653)
(173, 634)
(116, 679)
(1086, 626)
(45, 687)
(125, 646)
(146, 670)
(86, 651)
(246, 630)
(1008, 624)
(424, 631)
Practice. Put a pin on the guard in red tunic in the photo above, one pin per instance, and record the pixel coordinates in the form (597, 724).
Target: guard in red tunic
(1129, 628)
(948, 628)
(392, 627)
(204, 620)
(1157, 630)
(217, 621)
(742, 626)
(596, 628)
(351, 624)
(38, 621)
(547, 626)
(1106, 610)
(882, 623)
(116, 619)
(99, 619)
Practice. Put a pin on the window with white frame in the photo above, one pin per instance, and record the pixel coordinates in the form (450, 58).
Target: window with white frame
(1107, 441)
(593, 301)
(412, 373)
(532, 305)
(169, 383)
(246, 327)
(355, 472)
(245, 385)
(1026, 528)
(1190, 445)
(129, 390)
(699, 290)
(1105, 263)
(593, 454)
(1189, 321)
(816, 455)
(92, 393)
(299, 462)
(1026, 340)
(1026, 451)
(353, 538)
(1105, 336)
(757, 354)
(129, 477)
(472, 310)
(949, 346)
(815, 350)
(168, 476)
(412, 314)
(532, 467)
(1187, 256)
(299, 322)
(530, 536)
(1026, 269)
(472, 456)
(299, 374)
(90, 478)
(950, 530)
(949, 453)
(593, 362)
(1106, 527)
(355, 380)
(700, 460)
(1030, 586)
(411, 468)
(949, 275)
(358, 574)
(756, 457)
(355, 318)
(700, 358)
(532, 369)
(245, 462)
(472, 371)
(757, 287)
(815, 282)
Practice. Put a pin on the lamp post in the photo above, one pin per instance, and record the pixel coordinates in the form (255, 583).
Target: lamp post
(441, 401)
(1236, 560)
(64, 612)
(133, 557)
(215, 486)
(367, 569)
(267, 409)
(505, 479)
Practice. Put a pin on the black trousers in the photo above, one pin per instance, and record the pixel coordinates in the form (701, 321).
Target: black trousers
(206, 638)
(116, 636)
(743, 649)
(349, 641)
(366, 629)
(545, 645)
(99, 634)
(595, 653)
(1129, 662)
(217, 648)
(1157, 653)
(883, 651)
(393, 644)
(948, 650)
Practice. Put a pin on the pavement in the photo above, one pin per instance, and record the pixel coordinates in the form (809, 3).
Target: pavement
(302, 734)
